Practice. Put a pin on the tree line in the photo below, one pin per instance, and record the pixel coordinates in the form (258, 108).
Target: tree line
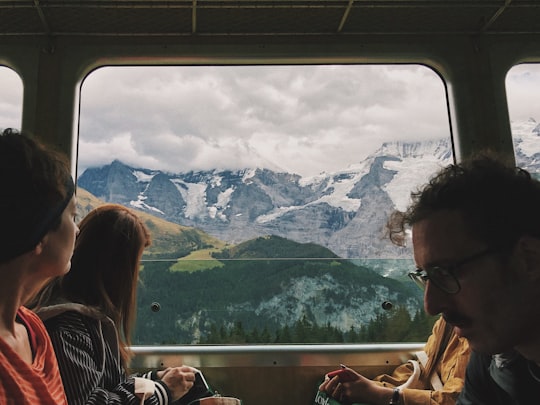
(394, 326)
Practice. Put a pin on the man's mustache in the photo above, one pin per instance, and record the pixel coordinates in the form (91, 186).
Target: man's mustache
(456, 319)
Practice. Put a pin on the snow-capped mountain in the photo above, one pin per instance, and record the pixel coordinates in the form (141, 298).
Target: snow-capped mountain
(345, 211)
(527, 144)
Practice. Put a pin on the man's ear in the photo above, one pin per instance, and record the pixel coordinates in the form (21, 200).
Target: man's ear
(529, 248)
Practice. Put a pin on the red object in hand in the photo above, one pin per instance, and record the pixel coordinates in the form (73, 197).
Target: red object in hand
(344, 375)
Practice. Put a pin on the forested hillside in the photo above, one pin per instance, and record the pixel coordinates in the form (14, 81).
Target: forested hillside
(196, 289)
(253, 296)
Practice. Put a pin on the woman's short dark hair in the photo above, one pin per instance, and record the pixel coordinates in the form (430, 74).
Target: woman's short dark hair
(36, 186)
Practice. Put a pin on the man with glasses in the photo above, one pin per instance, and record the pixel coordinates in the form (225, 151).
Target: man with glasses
(476, 241)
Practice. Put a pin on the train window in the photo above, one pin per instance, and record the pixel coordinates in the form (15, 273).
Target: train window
(522, 85)
(267, 190)
(10, 98)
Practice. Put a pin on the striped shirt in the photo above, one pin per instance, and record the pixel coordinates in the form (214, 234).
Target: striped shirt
(90, 365)
(37, 383)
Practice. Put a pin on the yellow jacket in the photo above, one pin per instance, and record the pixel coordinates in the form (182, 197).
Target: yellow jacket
(450, 368)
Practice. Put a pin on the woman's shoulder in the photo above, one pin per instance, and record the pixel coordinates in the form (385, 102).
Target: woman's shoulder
(28, 316)
(69, 309)
(70, 317)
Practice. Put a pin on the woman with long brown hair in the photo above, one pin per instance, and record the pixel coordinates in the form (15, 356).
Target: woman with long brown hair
(89, 314)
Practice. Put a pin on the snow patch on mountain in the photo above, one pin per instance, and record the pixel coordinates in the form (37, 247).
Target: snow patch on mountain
(248, 174)
(195, 198)
(410, 176)
(141, 205)
(526, 137)
(336, 197)
(143, 177)
(224, 198)
(416, 163)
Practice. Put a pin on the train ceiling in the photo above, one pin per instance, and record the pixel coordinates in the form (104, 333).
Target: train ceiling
(146, 18)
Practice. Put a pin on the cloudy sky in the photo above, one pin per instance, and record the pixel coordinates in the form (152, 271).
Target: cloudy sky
(522, 89)
(302, 119)
(10, 99)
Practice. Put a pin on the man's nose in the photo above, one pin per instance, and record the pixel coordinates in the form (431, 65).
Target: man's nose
(435, 299)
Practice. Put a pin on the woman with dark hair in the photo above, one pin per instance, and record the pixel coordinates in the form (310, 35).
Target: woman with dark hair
(89, 313)
(37, 211)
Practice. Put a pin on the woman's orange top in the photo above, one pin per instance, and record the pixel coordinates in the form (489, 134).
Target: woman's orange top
(37, 383)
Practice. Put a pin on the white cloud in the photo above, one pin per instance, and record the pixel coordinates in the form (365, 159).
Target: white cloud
(304, 119)
(103, 151)
(11, 95)
(522, 89)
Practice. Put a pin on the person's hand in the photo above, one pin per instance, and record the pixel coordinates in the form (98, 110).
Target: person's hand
(179, 380)
(333, 385)
(357, 389)
(160, 373)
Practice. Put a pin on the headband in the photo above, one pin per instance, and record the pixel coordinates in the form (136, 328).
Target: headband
(40, 228)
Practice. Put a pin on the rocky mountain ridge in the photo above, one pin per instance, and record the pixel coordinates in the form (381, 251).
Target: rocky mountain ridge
(345, 211)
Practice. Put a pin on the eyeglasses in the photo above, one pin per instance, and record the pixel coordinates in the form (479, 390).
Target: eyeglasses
(443, 276)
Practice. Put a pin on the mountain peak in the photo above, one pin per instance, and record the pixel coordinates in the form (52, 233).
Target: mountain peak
(344, 210)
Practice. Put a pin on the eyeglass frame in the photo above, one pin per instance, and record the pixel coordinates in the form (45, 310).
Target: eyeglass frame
(421, 276)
